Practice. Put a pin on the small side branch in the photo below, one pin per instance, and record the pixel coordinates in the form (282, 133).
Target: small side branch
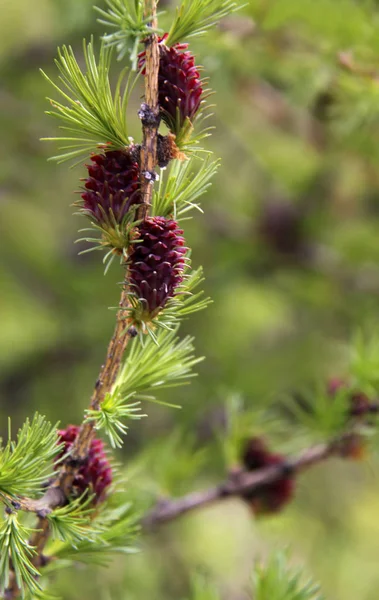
(52, 498)
(242, 482)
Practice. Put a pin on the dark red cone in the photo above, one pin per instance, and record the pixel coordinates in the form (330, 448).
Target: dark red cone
(111, 187)
(281, 229)
(271, 497)
(179, 84)
(157, 263)
(95, 474)
(359, 402)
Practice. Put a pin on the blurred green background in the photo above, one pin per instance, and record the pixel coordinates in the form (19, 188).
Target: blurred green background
(289, 244)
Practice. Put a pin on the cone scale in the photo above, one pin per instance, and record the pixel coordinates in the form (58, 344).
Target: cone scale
(271, 497)
(111, 188)
(180, 88)
(156, 264)
(95, 474)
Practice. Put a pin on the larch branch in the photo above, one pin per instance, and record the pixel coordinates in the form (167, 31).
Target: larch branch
(60, 489)
(243, 481)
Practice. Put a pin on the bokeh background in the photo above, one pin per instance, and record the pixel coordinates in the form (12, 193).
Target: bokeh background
(289, 244)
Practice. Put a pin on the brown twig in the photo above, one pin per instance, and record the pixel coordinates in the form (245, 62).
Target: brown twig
(243, 481)
(106, 379)
(149, 113)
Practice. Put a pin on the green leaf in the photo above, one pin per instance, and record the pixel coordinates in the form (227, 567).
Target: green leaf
(186, 301)
(127, 18)
(274, 580)
(114, 409)
(201, 589)
(112, 236)
(182, 304)
(114, 529)
(27, 464)
(321, 20)
(149, 367)
(183, 185)
(72, 523)
(195, 17)
(92, 115)
(16, 550)
(161, 476)
(364, 363)
(321, 414)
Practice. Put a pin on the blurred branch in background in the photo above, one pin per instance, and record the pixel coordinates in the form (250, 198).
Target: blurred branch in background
(251, 484)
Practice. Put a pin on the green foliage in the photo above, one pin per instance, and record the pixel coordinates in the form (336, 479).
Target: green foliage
(360, 92)
(114, 409)
(244, 421)
(130, 24)
(113, 531)
(15, 550)
(322, 19)
(185, 302)
(127, 18)
(92, 115)
(72, 523)
(323, 416)
(190, 134)
(201, 589)
(364, 362)
(161, 476)
(239, 426)
(195, 17)
(276, 581)
(149, 367)
(114, 237)
(181, 187)
(25, 465)
(272, 580)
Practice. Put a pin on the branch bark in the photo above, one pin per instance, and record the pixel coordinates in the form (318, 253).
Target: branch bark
(149, 113)
(106, 379)
(243, 481)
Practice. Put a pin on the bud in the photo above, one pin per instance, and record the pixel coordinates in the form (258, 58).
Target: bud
(281, 228)
(272, 497)
(156, 264)
(111, 188)
(354, 447)
(359, 402)
(95, 473)
(180, 88)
